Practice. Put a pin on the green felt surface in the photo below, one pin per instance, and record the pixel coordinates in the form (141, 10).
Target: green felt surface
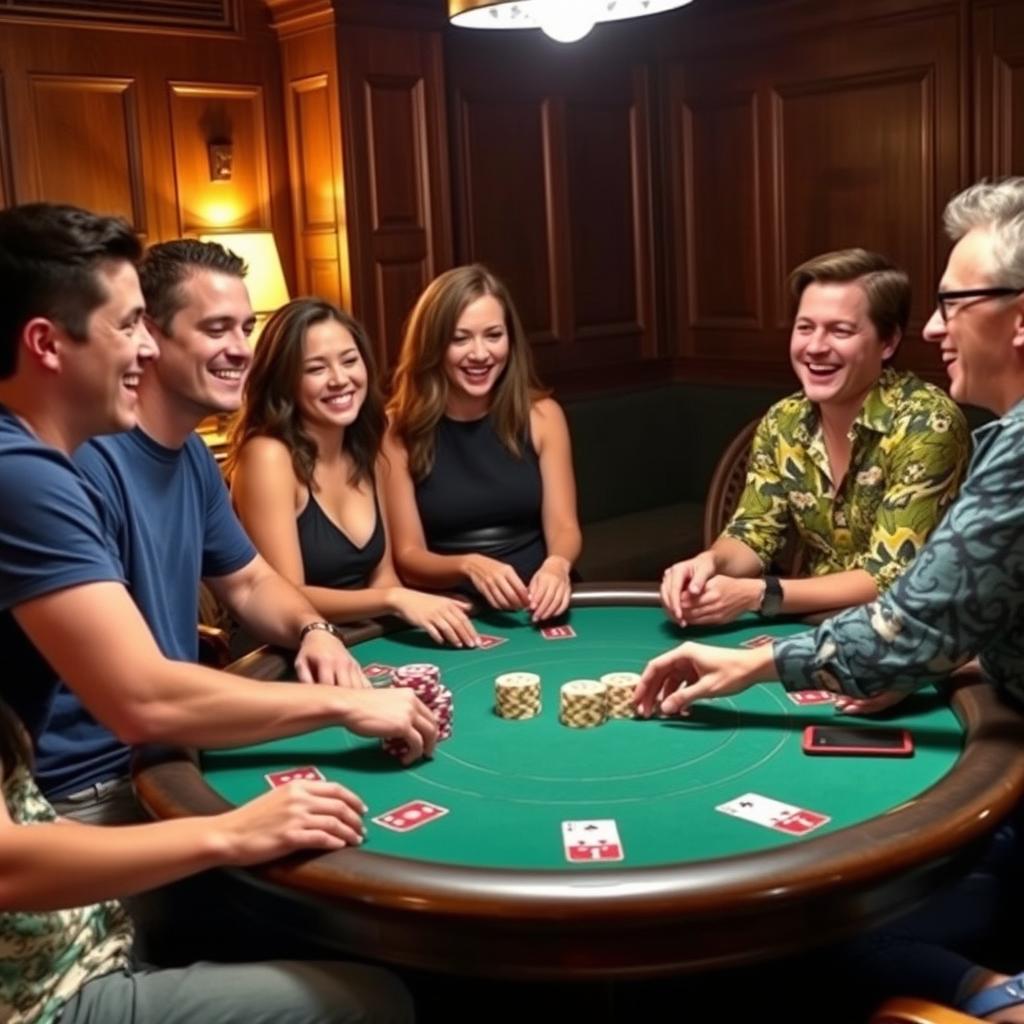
(510, 785)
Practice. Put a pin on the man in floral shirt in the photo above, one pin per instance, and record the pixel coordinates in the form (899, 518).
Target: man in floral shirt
(861, 464)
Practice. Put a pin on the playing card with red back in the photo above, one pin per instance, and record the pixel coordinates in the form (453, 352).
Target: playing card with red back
(758, 641)
(487, 641)
(804, 697)
(282, 778)
(558, 632)
(802, 822)
(376, 670)
(410, 815)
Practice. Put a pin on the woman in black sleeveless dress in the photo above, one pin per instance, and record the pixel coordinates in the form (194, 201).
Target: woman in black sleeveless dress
(303, 466)
(478, 469)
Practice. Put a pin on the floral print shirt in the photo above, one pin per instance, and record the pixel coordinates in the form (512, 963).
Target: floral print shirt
(46, 957)
(962, 597)
(910, 446)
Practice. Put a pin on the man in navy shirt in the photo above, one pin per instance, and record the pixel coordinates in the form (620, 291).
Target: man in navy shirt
(65, 610)
(167, 510)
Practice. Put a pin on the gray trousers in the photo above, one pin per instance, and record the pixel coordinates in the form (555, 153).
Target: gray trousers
(277, 992)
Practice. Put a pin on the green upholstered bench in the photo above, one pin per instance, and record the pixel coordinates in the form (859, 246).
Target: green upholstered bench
(643, 460)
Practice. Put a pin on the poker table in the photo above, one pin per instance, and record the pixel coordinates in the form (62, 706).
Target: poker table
(487, 888)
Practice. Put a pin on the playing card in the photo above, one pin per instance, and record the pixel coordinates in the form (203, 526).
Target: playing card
(376, 670)
(591, 841)
(486, 641)
(758, 641)
(774, 814)
(804, 697)
(558, 632)
(282, 778)
(410, 815)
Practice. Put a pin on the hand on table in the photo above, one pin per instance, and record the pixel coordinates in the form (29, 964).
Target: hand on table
(686, 577)
(322, 658)
(549, 590)
(868, 705)
(499, 583)
(444, 618)
(691, 672)
(303, 815)
(722, 600)
(392, 714)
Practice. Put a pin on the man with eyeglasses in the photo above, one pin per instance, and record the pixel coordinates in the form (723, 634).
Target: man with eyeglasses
(964, 595)
(860, 464)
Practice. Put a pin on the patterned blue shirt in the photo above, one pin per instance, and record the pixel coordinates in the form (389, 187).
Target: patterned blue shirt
(962, 597)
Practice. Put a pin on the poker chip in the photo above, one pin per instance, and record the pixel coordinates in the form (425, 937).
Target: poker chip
(425, 681)
(517, 695)
(422, 669)
(621, 687)
(583, 703)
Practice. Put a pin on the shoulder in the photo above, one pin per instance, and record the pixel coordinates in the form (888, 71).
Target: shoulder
(546, 414)
(265, 454)
(921, 407)
(786, 419)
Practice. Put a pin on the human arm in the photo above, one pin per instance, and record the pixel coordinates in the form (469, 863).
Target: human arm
(499, 583)
(550, 588)
(98, 643)
(52, 865)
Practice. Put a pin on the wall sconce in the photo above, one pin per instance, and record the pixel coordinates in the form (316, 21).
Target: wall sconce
(265, 279)
(221, 156)
(563, 20)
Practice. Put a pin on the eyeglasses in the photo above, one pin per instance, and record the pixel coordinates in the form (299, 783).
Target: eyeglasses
(949, 302)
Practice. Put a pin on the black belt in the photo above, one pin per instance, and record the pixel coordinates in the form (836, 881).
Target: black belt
(487, 538)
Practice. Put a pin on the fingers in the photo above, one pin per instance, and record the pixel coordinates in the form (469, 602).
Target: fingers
(459, 623)
(302, 670)
(672, 584)
(351, 675)
(421, 735)
(543, 596)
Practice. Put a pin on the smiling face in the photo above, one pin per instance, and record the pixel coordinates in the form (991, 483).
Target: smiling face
(333, 383)
(476, 355)
(980, 340)
(101, 374)
(205, 353)
(834, 348)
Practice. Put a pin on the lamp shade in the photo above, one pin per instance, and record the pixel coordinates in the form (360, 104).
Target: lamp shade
(548, 14)
(265, 279)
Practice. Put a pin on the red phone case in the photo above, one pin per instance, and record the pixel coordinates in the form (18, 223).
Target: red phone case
(905, 749)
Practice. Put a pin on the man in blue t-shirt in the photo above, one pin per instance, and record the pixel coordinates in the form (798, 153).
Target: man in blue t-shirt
(71, 363)
(167, 510)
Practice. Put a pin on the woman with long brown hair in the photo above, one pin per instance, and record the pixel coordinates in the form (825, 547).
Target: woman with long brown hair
(479, 479)
(303, 465)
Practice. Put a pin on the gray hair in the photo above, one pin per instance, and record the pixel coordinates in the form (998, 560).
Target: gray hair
(999, 208)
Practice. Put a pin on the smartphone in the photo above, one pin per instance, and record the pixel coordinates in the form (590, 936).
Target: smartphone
(857, 740)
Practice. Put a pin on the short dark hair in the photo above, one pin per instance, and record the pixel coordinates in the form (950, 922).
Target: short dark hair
(886, 286)
(49, 255)
(167, 265)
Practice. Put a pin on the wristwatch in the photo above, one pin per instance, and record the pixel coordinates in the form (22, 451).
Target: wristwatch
(310, 626)
(771, 600)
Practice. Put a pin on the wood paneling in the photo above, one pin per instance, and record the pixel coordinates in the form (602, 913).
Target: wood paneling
(119, 120)
(6, 170)
(396, 172)
(553, 186)
(800, 145)
(203, 114)
(97, 120)
(181, 15)
(999, 96)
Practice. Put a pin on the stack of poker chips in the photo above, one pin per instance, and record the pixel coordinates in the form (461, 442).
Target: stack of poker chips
(584, 703)
(425, 681)
(517, 695)
(621, 687)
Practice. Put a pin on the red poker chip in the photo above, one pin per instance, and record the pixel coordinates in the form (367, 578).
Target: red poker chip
(419, 669)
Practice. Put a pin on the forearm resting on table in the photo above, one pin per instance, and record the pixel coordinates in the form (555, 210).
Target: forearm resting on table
(48, 866)
(828, 593)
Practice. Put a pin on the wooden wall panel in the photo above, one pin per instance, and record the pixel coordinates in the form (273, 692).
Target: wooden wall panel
(396, 171)
(6, 170)
(96, 119)
(312, 90)
(783, 144)
(999, 94)
(554, 192)
(505, 203)
(204, 114)
(117, 117)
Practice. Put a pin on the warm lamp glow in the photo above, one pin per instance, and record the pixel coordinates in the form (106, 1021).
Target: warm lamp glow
(265, 280)
(564, 20)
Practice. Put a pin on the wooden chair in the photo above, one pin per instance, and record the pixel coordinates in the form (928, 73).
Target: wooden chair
(214, 631)
(727, 482)
(919, 1011)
